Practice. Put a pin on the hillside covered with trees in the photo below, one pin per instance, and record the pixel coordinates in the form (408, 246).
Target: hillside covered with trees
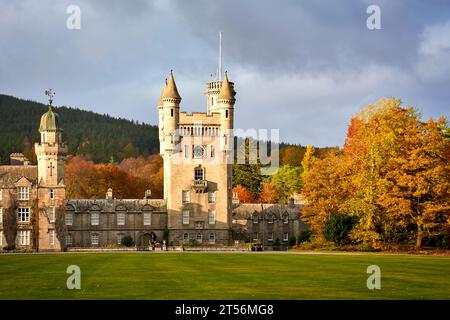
(96, 137)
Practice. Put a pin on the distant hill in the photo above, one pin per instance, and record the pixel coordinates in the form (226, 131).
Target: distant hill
(96, 137)
(99, 138)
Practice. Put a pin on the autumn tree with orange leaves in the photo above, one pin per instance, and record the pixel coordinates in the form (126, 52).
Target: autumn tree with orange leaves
(392, 175)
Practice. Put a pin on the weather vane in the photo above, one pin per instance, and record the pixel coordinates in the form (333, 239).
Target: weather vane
(50, 93)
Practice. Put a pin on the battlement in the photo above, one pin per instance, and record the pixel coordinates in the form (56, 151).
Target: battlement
(196, 118)
(216, 85)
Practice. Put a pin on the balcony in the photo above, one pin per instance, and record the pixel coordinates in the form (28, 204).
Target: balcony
(199, 185)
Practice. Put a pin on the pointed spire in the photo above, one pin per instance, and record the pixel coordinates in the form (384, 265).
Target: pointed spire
(170, 91)
(226, 91)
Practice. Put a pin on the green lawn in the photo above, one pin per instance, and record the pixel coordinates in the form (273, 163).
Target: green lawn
(223, 276)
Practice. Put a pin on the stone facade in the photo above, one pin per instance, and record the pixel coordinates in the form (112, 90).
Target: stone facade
(198, 204)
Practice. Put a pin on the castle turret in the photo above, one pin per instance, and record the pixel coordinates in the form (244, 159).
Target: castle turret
(159, 106)
(212, 95)
(171, 112)
(225, 105)
(51, 151)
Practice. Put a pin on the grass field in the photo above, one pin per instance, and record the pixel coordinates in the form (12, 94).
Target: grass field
(223, 276)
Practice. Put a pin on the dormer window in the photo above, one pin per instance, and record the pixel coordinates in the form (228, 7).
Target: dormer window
(24, 193)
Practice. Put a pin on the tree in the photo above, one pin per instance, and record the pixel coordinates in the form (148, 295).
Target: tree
(269, 193)
(418, 182)
(287, 181)
(10, 221)
(325, 188)
(292, 155)
(61, 227)
(307, 158)
(337, 228)
(244, 195)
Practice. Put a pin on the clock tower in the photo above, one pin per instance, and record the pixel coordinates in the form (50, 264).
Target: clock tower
(197, 152)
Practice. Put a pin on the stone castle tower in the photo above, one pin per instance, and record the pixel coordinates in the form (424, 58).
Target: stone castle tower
(50, 153)
(197, 152)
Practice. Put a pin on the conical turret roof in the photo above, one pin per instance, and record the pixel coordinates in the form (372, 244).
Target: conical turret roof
(170, 91)
(226, 91)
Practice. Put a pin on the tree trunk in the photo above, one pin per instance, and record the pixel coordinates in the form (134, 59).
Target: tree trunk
(419, 236)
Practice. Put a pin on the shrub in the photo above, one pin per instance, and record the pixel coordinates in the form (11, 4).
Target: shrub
(337, 228)
(292, 241)
(127, 241)
(305, 236)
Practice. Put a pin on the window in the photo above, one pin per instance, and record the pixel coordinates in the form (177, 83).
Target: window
(147, 218)
(185, 216)
(270, 236)
(212, 238)
(185, 236)
(226, 113)
(24, 193)
(255, 218)
(95, 218)
(1, 237)
(119, 238)
(23, 214)
(51, 214)
(52, 194)
(211, 197)
(285, 218)
(212, 151)
(199, 237)
(23, 237)
(212, 217)
(120, 219)
(1, 195)
(285, 236)
(186, 151)
(212, 101)
(1, 215)
(255, 235)
(171, 112)
(94, 239)
(51, 237)
(270, 219)
(185, 196)
(198, 173)
(69, 240)
(69, 218)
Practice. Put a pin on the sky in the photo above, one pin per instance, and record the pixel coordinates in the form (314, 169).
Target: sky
(303, 67)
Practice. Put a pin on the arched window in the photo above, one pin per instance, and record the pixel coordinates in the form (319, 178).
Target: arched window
(212, 237)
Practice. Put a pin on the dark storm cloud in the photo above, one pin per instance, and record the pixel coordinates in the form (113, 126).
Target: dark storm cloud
(304, 67)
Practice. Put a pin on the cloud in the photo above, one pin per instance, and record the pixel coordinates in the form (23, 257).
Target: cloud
(304, 67)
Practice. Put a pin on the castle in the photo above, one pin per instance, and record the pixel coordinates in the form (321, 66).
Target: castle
(198, 204)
